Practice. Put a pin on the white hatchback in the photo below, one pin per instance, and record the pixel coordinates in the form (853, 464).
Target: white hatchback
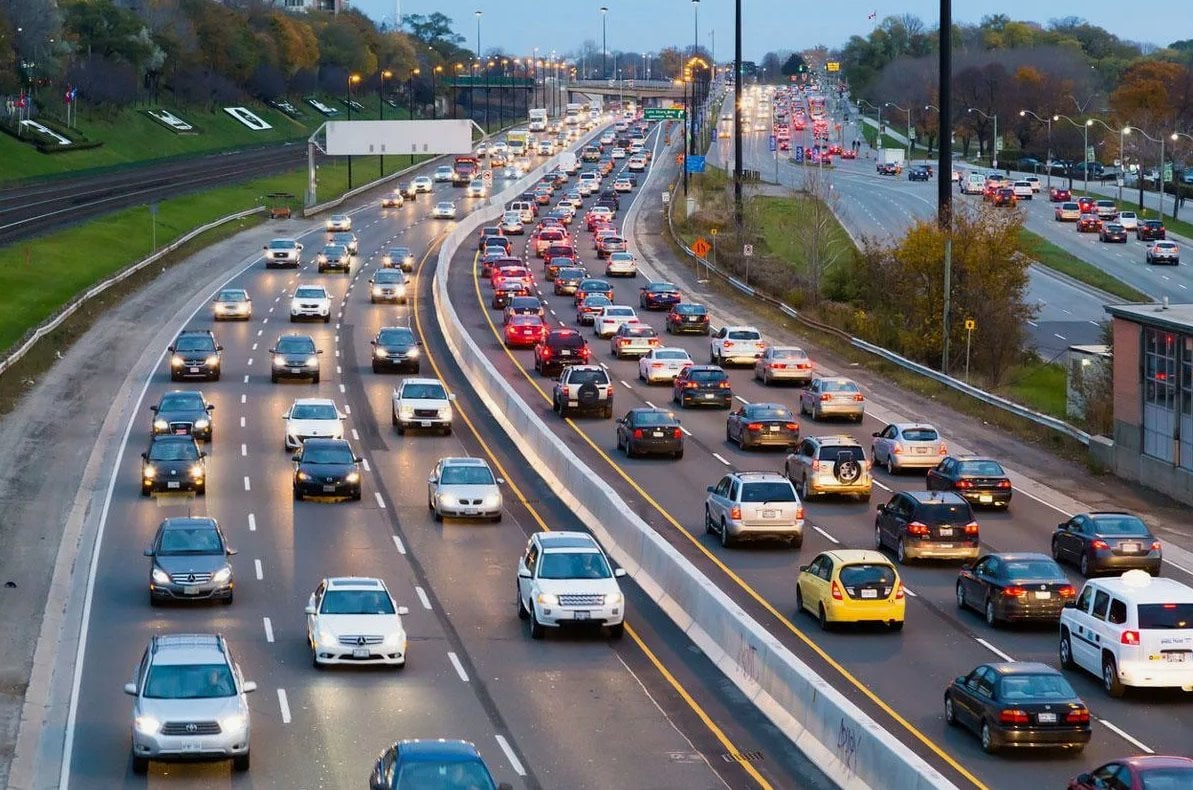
(310, 418)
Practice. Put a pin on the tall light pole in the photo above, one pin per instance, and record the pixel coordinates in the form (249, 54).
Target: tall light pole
(352, 80)
(1176, 190)
(433, 71)
(695, 28)
(1048, 122)
(944, 192)
(686, 79)
(385, 74)
(877, 117)
(908, 111)
(479, 14)
(1085, 157)
(410, 89)
(604, 44)
(1160, 174)
(737, 152)
(994, 142)
(1122, 162)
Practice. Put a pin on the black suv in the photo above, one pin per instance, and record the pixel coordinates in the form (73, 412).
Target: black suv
(395, 348)
(1150, 230)
(295, 357)
(195, 355)
(183, 412)
(927, 525)
(561, 347)
(918, 173)
(688, 317)
(190, 562)
(173, 463)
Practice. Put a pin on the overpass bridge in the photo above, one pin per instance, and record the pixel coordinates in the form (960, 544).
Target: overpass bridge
(642, 90)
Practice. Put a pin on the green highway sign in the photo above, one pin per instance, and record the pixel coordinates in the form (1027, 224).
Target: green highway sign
(662, 114)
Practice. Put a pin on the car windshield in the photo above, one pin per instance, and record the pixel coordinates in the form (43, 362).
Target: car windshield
(194, 343)
(174, 451)
(588, 377)
(857, 574)
(189, 681)
(691, 309)
(296, 345)
(595, 285)
(570, 340)
(828, 385)
(619, 311)
(310, 293)
(343, 238)
(920, 434)
(396, 337)
(636, 330)
(356, 602)
(445, 205)
(980, 468)
(335, 251)
(743, 335)
(282, 244)
(180, 401)
(466, 475)
(944, 512)
(569, 274)
(574, 565)
(197, 540)
(1034, 687)
(314, 411)
(768, 492)
(768, 413)
(1016, 570)
(1174, 778)
(388, 276)
(424, 775)
(1120, 525)
(789, 353)
(233, 296)
(424, 392)
(653, 418)
(597, 301)
(708, 375)
(327, 455)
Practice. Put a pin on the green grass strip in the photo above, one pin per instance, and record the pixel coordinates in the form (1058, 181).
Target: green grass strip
(1059, 259)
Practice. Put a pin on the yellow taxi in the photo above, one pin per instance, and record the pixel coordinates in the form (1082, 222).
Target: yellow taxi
(851, 586)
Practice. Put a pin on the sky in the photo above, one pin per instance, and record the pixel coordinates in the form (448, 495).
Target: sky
(517, 26)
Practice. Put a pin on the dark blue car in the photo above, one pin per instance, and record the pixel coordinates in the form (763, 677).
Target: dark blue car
(424, 764)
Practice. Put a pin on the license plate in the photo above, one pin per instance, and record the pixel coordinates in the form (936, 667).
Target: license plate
(194, 370)
(985, 498)
(944, 545)
(173, 484)
(580, 615)
(773, 429)
(922, 450)
(471, 511)
(1175, 658)
(425, 423)
(360, 652)
(1130, 547)
(946, 532)
(190, 590)
(708, 396)
(565, 353)
(190, 746)
(181, 431)
(296, 370)
(869, 593)
(658, 434)
(770, 514)
(1046, 718)
(1043, 595)
(328, 489)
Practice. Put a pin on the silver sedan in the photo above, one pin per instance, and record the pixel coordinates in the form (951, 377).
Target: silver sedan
(901, 446)
(834, 396)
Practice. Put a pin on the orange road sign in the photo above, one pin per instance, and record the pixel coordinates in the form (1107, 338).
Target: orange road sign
(701, 247)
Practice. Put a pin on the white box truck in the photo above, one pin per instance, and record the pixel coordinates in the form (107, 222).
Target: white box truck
(891, 156)
(538, 120)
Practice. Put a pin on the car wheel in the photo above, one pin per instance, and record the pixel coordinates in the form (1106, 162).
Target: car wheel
(1055, 550)
(447, 431)
(890, 465)
(617, 631)
(708, 522)
(273, 378)
(895, 625)
(804, 489)
(228, 601)
(436, 514)
(679, 454)
(960, 596)
(950, 713)
(815, 414)
(822, 616)
(536, 628)
(140, 765)
(522, 613)
(878, 544)
(316, 379)
(327, 319)
(991, 615)
(144, 491)
(988, 744)
(726, 539)
(901, 552)
(240, 762)
(799, 600)
(1084, 565)
(1114, 687)
(1065, 650)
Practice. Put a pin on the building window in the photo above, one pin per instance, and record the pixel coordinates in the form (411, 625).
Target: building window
(1160, 388)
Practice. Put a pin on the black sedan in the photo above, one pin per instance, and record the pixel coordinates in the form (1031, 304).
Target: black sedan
(762, 425)
(568, 279)
(326, 468)
(658, 296)
(1014, 587)
(398, 258)
(649, 432)
(688, 317)
(1018, 704)
(294, 357)
(982, 481)
(173, 463)
(918, 174)
(703, 385)
(1098, 542)
(182, 412)
(507, 291)
(1113, 232)
(395, 349)
(387, 285)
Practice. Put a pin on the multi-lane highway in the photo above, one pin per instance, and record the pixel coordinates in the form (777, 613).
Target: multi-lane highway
(898, 678)
(552, 714)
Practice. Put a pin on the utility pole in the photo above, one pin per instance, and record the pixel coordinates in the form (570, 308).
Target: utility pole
(737, 152)
(944, 182)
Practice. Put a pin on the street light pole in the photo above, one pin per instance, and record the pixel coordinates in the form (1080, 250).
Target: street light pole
(352, 80)
(479, 14)
(1122, 162)
(908, 111)
(1085, 159)
(604, 44)
(433, 109)
(1048, 122)
(1159, 175)
(994, 143)
(695, 27)
(410, 89)
(385, 74)
(737, 151)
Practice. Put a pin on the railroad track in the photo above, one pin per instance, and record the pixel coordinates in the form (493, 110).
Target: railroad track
(38, 208)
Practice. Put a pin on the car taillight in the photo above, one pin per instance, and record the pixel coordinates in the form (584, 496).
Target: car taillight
(1155, 545)
(971, 528)
(724, 385)
(917, 528)
(791, 426)
(1014, 591)
(858, 397)
(637, 433)
(677, 433)
(836, 592)
(898, 591)
(735, 512)
(654, 341)
(754, 426)
(1129, 638)
(826, 396)
(898, 450)
(728, 344)
(1012, 716)
(963, 484)
(1004, 483)
(1079, 716)
(804, 366)
(690, 385)
(799, 512)
(1068, 591)
(815, 466)
(778, 366)
(1099, 545)
(944, 450)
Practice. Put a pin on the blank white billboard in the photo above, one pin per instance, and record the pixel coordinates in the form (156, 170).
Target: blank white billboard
(357, 138)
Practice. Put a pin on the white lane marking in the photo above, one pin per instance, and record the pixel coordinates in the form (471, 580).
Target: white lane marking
(258, 570)
(459, 667)
(1128, 738)
(243, 398)
(743, 400)
(685, 430)
(347, 409)
(343, 389)
(278, 298)
(265, 320)
(244, 449)
(909, 592)
(883, 487)
(355, 435)
(252, 523)
(1178, 567)
(720, 458)
(401, 547)
(247, 485)
(284, 704)
(365, 463)
(830, 537)
(515, 763)
(422, 598)
(250, 360)
(651, 405)
(254, 346)
(380, 501)
(246, 379)
(339, 370)
(260, 332)
(242, 422)
(337, 352)
(268, 629)
(993, 649)
(625, 384)
(271, 309)
(1059, 337)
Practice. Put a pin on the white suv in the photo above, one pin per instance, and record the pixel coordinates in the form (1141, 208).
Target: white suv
(1134, 630)
(564, 578)
(735, 344)
(754, 505)
(190, 702)
(282, 252)
(422, 403)
(354, 620)
(310, 301)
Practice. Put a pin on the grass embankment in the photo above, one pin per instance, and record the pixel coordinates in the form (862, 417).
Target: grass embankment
(1050, 255)
(871, 135)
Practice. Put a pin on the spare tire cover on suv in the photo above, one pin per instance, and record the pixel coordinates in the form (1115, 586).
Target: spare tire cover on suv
(589, 394)
(846, 468)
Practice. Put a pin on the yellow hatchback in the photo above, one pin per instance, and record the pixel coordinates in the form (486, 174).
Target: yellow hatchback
(851, 586)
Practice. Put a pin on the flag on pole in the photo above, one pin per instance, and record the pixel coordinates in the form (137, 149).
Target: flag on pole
(872, 15)
(70, 94)
(21, 100)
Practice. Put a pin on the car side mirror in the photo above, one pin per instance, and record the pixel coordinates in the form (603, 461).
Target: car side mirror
(265, 246)
(523, 573)
(403, 611)
(153, 409)
(299, 247)
(357, 459)
(709, 489)
(432, 479)
(148, 552)
(319, 351)
(286, 416)
(881, 508)
(273, 351)
(170, 349)
(248, 686)
(967, 566)
(309, 610)
(876, 434)
(203, 455)
(1085, 779)
(130, 688)
(451, 397)
(803, 568)
(211, 407)
(960, 680)
(231, 552)
(296, 457)
(219, 348)
(1070, 604)
(501, 481)
(144, 456)
(619, 573)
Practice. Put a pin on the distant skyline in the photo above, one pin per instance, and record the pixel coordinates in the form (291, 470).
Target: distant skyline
(517, 26)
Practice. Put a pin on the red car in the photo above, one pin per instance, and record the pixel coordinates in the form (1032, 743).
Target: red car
(558, 251)
(1087, 205)
(1089, 223)
(524, 331)
(509, 274)
(1058, 195)
(1005, 196)
(849, 153)
(1137, 773)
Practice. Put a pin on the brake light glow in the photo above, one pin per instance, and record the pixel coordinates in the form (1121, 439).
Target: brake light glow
(944, 450)
(1014, 591)
(1130, 638)
(1012, 716)
(898, 591)
(1079, 716)
(964, 484)
(858, 397)
(754, 426)
(1068, 591)
(735, 512)
(1099, 545)
(637, 433)
(825, 396)
(836, 592)
(971, 528)
(791, 426)
(1004, 483)
(728, 344)
(724, 385)
(917, 528)
(898, 450)
(1155, 545)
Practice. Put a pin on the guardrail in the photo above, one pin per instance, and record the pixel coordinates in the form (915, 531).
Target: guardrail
(1052, 423)
(49, 325)
(841, 739)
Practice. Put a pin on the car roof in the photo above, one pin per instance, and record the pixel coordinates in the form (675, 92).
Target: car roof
(1144, 588)
(947, 497)
(759, 477)
(463, 461)
(1019, 556)
(169, 438)
(414, 380)
(1022, 668)
(836, 438)
(860, 555)
(188, 522)
(325, 442)
(436, 750)
(314, 402)
(1157, 761)
(904, 426)
(566, 540)
(188, 649)
(354, 583)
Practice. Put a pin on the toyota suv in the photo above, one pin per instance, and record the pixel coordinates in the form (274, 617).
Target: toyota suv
(422, 403)
(195, 354)
(583, 388)
(565, 579)
(310, 301)
(1134, 630)
(749, 505)
(829, 465)
(190, 562)
(190, 702)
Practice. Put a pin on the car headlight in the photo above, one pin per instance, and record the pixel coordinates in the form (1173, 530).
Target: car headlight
(406, 410)
(326, 637)
(176, 361)
(547, 599)
(303, 476)
(376, 290)
(160, 425)
(493, 500)
(222, 575)
(353, 477)
(313, 362)
(148, 471)
(279, 362)
(397, 639)
(412, 353)
(233, 723)
(197, 470)
(202, 423)
(160, 577)
(447, 500)
(213, 360)
(147, 725)
(614, 599)
(386, 260)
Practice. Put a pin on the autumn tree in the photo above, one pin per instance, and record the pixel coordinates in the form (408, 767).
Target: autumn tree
(818, 235)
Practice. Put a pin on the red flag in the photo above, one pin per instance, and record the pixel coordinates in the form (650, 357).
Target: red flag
(21, 101)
